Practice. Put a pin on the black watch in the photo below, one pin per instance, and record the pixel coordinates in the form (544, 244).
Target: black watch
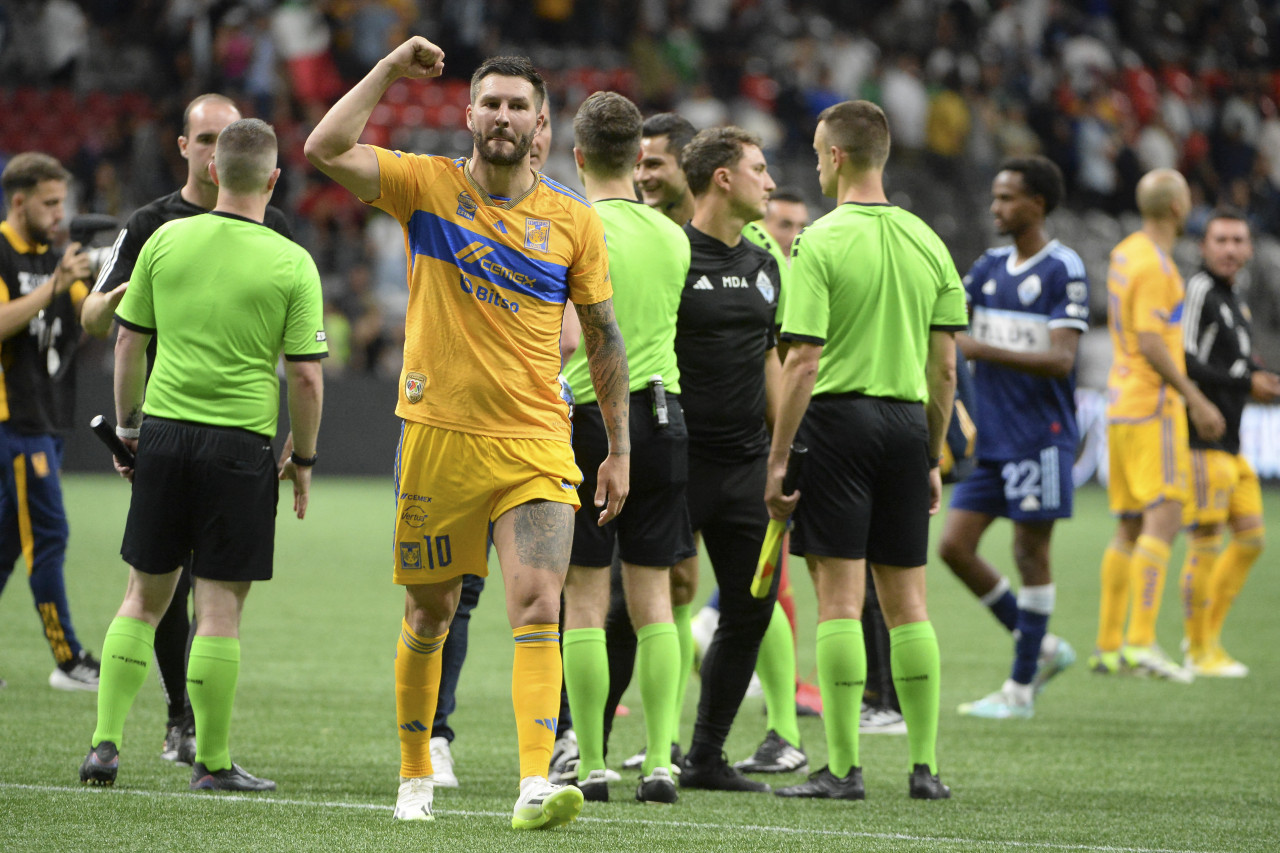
(303, 461)
(935, 462)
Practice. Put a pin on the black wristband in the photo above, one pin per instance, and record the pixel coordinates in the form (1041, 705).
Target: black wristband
(935, 462)
(303, 461)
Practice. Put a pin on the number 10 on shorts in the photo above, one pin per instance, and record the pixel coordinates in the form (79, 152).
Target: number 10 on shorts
(434, 550)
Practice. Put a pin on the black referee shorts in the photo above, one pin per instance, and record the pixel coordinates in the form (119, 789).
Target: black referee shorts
(653, 528)
(866, 481)
(203, 490)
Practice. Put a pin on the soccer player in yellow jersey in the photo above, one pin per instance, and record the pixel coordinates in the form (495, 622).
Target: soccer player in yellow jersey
(496, 250)
(1149, 401)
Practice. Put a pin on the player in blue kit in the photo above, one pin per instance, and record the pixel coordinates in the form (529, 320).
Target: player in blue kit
(1029, 303)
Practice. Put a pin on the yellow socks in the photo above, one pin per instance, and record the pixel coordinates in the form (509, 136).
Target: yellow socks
(1229, 573)
(1197, 573)
(535, 695)
(417, 689)
(1147, 572)
(1114, 600)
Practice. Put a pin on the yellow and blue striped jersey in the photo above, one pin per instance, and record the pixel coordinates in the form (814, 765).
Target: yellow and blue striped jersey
(489, 280)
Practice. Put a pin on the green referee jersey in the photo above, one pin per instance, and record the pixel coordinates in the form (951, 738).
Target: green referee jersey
(756, 233)
(868, 282)
(648, 263)
(224, 296)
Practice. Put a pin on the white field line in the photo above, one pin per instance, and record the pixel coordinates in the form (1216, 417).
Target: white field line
(672, 824)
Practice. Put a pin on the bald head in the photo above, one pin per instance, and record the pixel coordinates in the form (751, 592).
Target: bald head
(1164, 194)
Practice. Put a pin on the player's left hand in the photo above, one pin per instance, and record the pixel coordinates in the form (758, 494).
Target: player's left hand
(780, 506)
(613, 484)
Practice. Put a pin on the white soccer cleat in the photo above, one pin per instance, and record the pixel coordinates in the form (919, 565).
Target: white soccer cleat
(442, 763)
(1012, 701)
(413, 802)
(1151, 662)
(1215, 663)
(545, 806)
(1056, 655)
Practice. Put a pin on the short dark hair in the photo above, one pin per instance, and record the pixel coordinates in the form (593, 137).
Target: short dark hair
(511, 66)
(786, 194)
(1041, 176)
(607, 130)
(1222, 211)
(28, 170)
(714, 148)
(200, 99)
(860, 129)
(676, 128)
(246, 155)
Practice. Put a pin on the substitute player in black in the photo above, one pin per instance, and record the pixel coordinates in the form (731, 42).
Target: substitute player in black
(202, 121)
(40, 296)
(725, 342)
(1217, 338)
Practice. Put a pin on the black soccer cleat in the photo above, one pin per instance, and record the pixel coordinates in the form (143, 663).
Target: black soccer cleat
(658, 787)
(826, 785)
(100, 765)
(775, 755)
(595, 788)
(233, 778)
(718, 775)
(926, 785)
(180, 744)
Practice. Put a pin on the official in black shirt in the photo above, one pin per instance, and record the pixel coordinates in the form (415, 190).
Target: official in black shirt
(203, 120)
(1218, 342)
(725, 346)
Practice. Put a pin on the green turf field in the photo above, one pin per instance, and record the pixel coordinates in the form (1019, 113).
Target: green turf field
(1107, 764)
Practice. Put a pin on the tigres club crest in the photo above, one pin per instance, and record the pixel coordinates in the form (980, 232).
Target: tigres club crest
(537, 234)
(414, 384)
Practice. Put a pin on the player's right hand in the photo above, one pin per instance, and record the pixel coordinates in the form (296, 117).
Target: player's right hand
(74, 266)
(1208, 421)
(417, 58)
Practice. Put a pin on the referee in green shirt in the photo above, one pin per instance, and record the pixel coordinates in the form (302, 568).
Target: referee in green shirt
(867, 385)
(224, 295)
(648, 262)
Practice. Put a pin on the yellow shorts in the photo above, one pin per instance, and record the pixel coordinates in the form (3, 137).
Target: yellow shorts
(450, 485)
(1225, 486)
(1150, 463)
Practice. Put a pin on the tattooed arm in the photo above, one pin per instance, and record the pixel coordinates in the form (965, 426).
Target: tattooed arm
(130, 385)
(607, 355)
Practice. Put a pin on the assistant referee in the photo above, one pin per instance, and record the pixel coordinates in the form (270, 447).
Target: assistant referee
(224, 295)
(867, 385)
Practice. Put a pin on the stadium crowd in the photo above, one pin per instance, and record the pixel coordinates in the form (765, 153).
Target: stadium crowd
(1107, 91)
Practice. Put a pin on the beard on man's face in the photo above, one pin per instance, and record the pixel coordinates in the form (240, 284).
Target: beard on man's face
(493, 151)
